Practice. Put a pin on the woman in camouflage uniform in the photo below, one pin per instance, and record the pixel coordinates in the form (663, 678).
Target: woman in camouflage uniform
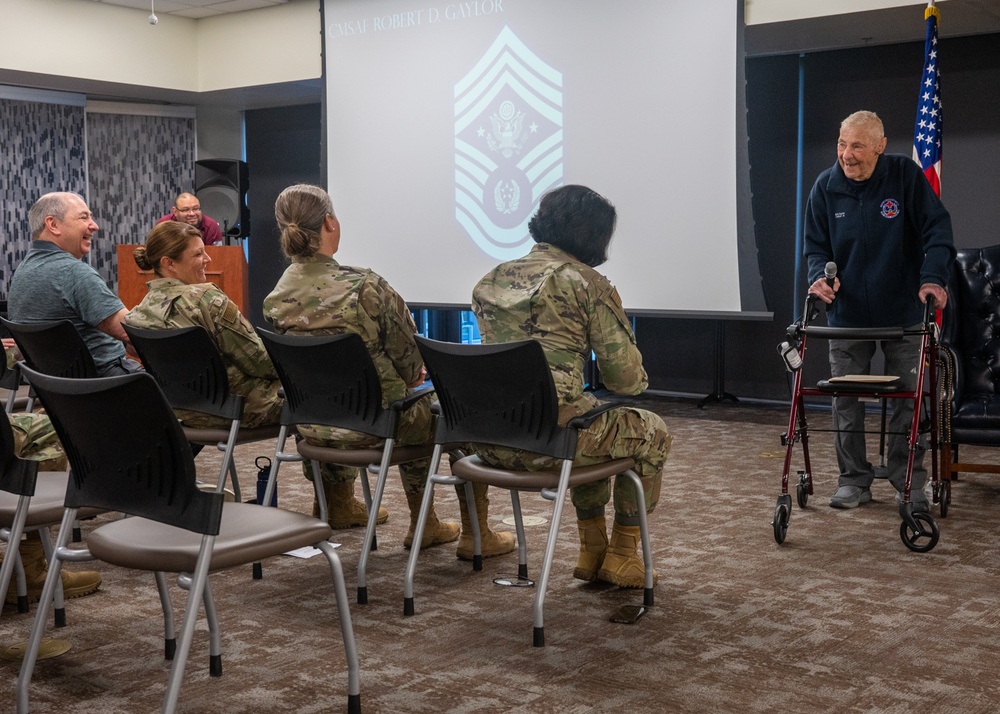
(554, 295)
(181, 296)
(317, 295)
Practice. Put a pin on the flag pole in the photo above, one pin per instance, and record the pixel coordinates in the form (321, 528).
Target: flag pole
(927, 129)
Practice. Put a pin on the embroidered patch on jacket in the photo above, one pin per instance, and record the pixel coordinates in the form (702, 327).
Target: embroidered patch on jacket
(890, 208)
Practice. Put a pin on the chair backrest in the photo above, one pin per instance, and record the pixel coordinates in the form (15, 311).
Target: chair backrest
(497, 394)
(10, 378)
(329, 380)
(54, 348)
(17, 475)
(971, 318)
(187, 365)
(126, 450)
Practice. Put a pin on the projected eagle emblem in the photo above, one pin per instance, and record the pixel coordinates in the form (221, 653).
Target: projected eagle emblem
(508, 144)
(508, 137)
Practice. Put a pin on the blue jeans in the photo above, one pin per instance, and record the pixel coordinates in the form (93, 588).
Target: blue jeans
(120, 366)
(901, 359)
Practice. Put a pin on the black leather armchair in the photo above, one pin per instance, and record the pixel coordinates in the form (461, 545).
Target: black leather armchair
(970, 359)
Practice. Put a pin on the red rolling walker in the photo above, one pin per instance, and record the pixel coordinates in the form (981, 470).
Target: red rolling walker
(918, 531)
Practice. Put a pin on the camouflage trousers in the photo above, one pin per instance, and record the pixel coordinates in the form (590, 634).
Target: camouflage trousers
(35, 439)
(624, 432)
(416, 426)
(261, 406)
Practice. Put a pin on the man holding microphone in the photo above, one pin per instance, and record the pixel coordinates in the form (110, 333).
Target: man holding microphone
(876, 217)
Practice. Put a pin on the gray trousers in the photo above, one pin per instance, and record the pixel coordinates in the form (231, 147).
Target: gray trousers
(901, 359)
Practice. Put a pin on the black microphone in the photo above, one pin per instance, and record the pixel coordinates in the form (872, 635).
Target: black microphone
(830, 272)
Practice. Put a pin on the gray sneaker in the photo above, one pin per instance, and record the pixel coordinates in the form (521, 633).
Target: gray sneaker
(919, 501)
(850, 497)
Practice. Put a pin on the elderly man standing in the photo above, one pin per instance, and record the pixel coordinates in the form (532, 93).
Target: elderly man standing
(54, 283)
(876, 216)
(187, 209)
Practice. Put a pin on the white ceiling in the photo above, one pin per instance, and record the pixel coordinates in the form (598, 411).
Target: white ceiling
(858, 29)
(194, 8)
(959, 18)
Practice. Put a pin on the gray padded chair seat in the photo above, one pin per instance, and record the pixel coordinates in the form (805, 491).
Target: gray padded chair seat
(473, 468)
(210, 437)
(137, 542)
(47, 503)
(362, 457)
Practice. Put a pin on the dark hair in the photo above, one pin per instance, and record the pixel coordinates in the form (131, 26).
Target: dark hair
(167, 240)
(578, 220)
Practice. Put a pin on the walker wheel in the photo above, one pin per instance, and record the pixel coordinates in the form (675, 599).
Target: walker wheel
(924, 539)
(780, 522)
(802, 490)
(944, 497)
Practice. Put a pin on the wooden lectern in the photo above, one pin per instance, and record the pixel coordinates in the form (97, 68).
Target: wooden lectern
(228, 270)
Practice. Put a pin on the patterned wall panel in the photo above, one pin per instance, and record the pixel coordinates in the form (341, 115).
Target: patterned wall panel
(138, 164)
(41, 150)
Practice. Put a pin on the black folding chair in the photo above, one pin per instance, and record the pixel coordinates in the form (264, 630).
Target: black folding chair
(55, 348)
(189, 369)
(504, 395)
(331, 380)
(29, 500)
(149, 474)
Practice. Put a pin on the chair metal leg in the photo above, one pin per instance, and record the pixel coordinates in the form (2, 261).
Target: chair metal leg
(22, 585)
(59, 604)
(212, 618)
(418, 532)
(279, 456)
(12, 563)
(228, 464)
(373, 507)
(318, 486)
(647, 552)
(169, 640)
(346, 628)
(197, 588)
(522, 541)
(214, 633)
(366, 493)
(272, 481)
(53, 578)
(477, 542)
(234, 477)
(550, 549)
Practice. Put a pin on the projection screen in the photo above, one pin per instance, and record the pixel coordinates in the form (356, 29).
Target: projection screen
(447, 121)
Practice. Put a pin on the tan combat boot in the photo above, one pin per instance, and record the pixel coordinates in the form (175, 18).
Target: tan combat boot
(75, 584)
(492, 543)
(435, 532)
(593, 546)
(343, 510)
(623, 565)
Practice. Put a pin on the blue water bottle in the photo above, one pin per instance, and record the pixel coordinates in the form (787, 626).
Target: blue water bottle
(263, 471)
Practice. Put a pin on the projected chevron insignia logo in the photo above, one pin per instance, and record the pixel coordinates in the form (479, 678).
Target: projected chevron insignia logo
(508, 144)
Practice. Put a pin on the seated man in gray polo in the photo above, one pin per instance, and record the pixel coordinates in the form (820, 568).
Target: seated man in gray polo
(53, 282)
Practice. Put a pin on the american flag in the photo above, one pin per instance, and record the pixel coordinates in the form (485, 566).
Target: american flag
(927, 132)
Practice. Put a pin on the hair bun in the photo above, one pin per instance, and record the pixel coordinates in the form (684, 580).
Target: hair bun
(139, 255)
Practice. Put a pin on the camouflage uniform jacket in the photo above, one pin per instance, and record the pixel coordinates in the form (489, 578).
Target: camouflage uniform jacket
(34, 436)
(172, 303)
(550, 296)
(319, 296)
